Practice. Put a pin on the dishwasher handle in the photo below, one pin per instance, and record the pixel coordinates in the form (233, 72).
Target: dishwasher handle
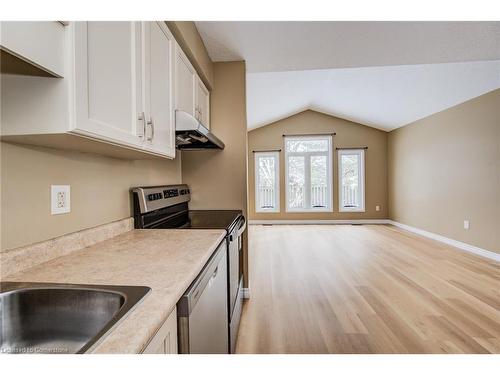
(214, 275)
(210, 281)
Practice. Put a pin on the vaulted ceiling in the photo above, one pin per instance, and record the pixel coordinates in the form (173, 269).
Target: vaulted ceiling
(381, 74)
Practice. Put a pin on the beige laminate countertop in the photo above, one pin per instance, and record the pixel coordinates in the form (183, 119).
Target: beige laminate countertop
(166, 260)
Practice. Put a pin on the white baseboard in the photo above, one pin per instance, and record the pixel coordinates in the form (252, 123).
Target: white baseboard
(315, 222)
(246, 293)
(460, 245)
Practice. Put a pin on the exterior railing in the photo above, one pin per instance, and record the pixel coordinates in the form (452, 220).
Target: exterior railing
(319, 198)
(267, 197)
(350, 196)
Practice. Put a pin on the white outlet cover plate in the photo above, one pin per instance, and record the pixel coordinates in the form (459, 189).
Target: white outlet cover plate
(466, 224)
(55, 190)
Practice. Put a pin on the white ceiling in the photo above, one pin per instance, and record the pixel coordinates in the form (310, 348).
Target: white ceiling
(282, 46)
(385, 97)
(382, 74)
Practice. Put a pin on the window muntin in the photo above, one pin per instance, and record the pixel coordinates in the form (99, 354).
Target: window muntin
(308, 173)
(351, 180)
(267, 182)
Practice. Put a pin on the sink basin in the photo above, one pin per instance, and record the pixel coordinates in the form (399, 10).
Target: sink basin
(61, 318)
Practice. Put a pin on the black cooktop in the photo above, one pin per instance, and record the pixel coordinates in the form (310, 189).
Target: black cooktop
(199, 219)
(212, 219)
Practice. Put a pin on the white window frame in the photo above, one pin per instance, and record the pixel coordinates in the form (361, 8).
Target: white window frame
(276, 156)
(329, 156)
(361, 168)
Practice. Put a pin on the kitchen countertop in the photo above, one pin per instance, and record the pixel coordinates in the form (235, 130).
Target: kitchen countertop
(166, 260)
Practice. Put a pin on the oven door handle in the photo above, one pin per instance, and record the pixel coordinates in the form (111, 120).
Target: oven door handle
(241, 229)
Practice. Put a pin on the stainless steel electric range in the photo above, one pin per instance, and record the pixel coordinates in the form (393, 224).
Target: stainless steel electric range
(166, 207)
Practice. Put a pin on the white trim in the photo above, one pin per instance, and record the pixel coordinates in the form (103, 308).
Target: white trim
(246, 293)
(313, 222)
(361, 171)
(459, 245)
(276, 156)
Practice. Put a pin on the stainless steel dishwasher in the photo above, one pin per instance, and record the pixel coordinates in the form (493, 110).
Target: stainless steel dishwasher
(202, 310)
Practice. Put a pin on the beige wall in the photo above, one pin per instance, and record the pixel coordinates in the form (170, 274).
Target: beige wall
(349, 134)
(218, 178)
(99, 190)
(186, 34)
(445, 168)
(99, 185)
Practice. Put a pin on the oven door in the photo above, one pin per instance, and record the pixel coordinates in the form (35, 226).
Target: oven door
(234, 243)
(233, 263)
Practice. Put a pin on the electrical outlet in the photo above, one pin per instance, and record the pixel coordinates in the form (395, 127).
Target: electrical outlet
(466, 224)
(60, 199)
(377, 208)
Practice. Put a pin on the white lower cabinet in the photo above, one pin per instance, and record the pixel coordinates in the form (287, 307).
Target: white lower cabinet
(165, 340)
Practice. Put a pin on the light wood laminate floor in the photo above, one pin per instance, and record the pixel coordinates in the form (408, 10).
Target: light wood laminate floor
(366, 289)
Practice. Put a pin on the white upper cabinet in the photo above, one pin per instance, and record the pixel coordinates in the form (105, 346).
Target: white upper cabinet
(202, 103)
(158, 87)
(185, 79)
(191, 95)
(122, 83)
(41, 44)
(108, 81)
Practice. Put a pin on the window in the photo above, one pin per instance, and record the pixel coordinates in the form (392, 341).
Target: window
(308, 173)
(267, 186)
(352, 180)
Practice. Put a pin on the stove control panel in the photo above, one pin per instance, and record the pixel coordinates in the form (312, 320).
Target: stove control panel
(169, 193)
(155, 197)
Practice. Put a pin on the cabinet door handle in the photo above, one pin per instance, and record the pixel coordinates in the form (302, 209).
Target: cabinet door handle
(151, 124)
(142, 120)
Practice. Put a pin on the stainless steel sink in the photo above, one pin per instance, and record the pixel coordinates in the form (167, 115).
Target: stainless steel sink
(61, 318)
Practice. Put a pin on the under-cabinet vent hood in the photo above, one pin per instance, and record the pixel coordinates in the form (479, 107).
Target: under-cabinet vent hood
(190, 134)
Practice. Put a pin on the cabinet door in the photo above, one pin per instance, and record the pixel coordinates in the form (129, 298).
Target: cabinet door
(158, 86)
(40, 43)
(107, 81)
(184, 83)
(202, 107)
(165, 340)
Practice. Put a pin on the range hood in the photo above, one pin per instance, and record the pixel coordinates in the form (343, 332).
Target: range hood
(190, 134)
